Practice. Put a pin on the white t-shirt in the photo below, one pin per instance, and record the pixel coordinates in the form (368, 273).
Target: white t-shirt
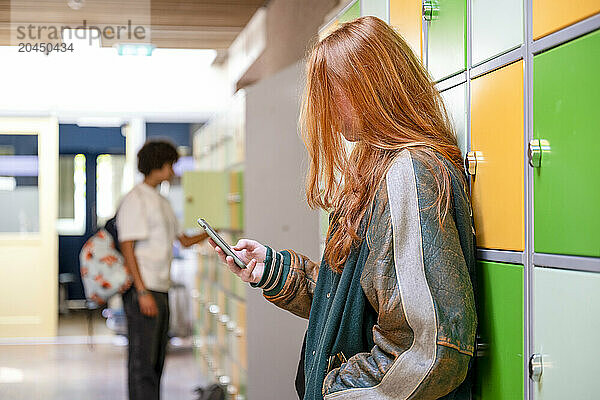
(146, 217)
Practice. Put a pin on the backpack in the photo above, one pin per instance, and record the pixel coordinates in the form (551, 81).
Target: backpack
(102, 266)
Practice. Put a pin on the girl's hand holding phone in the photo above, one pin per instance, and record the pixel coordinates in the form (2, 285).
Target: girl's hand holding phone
(251, 252)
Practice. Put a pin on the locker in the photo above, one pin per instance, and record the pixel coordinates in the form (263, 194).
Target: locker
(567, 164)
(241, 335)
(240, 288)
(566, 325)
(235, 378)
(235, 199)
(497, 27)
(351, 13)
(455, 101)
(406, 18)
(499, 365)
(550, 15)
(221, 331)
(497, 158)
(205, 195)
(377, 8)
(446, 41)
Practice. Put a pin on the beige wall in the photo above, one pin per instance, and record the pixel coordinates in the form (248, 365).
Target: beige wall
(276, 214)
(291, 27)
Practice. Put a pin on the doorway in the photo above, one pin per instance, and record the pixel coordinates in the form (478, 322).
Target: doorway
(91, 166)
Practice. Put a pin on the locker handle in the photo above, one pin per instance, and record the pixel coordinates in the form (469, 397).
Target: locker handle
(471, 163)
(481, 347)
(224, 319)
(536, 367)
(534, 153)
(431, 10)
(231, 325)
(234, 198)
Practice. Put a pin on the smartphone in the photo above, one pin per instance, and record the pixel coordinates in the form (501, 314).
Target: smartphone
(220, 242)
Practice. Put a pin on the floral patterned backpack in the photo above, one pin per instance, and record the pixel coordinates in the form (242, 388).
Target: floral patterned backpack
(102, 265)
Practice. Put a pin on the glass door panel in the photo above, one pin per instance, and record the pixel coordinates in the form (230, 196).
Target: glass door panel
(28, 238)
(19, 193)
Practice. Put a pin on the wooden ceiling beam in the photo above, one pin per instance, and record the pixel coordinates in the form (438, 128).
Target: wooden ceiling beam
(202, 24)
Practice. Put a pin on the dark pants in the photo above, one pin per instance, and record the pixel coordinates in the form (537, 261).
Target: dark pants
(147, 345)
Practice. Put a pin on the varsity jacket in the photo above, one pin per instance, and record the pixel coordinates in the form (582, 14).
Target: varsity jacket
(399, 322)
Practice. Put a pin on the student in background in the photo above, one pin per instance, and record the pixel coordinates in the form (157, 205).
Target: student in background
(391, 306)
(147, 228)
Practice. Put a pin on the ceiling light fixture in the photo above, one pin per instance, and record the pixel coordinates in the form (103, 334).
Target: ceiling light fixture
(135, 49)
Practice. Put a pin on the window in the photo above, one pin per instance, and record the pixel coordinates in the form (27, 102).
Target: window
(19, 195)
(109, 185)
(71, 195)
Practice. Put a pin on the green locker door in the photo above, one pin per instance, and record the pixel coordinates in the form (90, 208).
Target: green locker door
(500, 364)
(446, 41)
(497, 27)
(205, 196)
(566, 325)
(455, 101)
(566, 104)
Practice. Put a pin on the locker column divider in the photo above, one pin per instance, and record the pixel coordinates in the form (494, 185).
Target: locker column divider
(389, 12)
(528, 180)
(361, 12)
(468, 49)
(424, 38)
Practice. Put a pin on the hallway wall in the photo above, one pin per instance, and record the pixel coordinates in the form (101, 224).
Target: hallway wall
(276, 214)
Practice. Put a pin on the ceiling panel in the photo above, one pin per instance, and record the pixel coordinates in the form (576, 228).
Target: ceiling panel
(173, 24)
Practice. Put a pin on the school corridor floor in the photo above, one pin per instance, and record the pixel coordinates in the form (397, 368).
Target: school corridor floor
(68, 368)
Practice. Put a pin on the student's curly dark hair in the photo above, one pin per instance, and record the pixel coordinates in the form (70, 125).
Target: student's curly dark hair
(154, 154)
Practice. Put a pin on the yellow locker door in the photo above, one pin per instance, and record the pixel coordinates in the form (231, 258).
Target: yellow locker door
(497, 147)
(551, 15)
(406, 18)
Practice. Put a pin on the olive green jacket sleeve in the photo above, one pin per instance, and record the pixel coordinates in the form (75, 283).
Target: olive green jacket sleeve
(417, 280)
(289, 281)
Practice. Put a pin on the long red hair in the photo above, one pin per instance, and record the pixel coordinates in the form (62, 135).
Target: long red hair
(395, 106)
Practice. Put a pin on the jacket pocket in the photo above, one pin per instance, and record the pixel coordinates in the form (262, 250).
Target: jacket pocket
(335, 361)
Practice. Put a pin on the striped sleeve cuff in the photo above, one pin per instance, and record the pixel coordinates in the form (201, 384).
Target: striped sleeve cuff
(277, 266)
